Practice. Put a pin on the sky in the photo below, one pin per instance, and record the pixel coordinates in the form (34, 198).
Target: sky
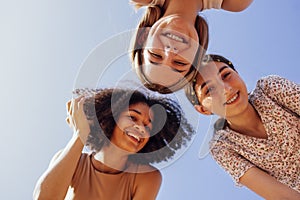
(49, 47)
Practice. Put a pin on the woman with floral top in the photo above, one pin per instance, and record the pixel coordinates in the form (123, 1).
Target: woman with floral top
(257, 138)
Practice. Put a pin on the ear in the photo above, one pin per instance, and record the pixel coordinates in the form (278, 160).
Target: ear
(201, 109)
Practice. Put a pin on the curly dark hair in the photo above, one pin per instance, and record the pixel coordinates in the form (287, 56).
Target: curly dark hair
(104, 106)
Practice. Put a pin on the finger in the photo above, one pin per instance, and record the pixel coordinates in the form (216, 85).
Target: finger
(75, 105)
(68, 120)
(209, 4)
(71, 111)
(216, 4)
(68, 106)
(204, 6)
(81, 103)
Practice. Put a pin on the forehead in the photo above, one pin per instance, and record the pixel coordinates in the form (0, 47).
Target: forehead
(161, 74)
(209, 71)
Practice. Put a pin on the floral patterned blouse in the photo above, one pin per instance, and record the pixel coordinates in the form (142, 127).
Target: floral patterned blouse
(277, 101)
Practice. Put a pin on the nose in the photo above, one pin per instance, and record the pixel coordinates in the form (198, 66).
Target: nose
(140, 129)
(171, 48)
(227, 88)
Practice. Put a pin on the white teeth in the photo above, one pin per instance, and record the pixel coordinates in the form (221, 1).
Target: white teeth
(132, 135)
(232, 99)
(174, 37)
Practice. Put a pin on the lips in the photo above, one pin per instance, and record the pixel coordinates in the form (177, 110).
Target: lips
(232, 99)
(134, 135)
(175, 37)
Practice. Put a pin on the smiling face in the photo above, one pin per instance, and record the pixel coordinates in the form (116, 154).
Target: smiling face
(170, 50)
(222, 91)
(133, 127)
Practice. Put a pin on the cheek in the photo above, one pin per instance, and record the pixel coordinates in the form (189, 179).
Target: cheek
(188, 55)
(152, 42)
(146, 140)
(207, 102)
(123, 123)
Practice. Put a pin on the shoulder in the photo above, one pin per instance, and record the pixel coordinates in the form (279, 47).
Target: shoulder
(223, 143)
(270, 81)
(147, 169)
(274, 85)
(219, 138)
(147, 183)
(268, 78)
(147, 173)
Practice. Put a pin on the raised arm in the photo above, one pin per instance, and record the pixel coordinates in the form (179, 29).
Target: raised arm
(55, 181)
(267, 186)
(140, 3)
(229, 5)
(235, 5)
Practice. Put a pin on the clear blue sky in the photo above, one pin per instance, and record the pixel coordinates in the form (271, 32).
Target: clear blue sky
(44, 45)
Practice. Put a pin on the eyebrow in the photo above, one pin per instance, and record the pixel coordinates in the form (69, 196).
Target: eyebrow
(178, 70)
(220, 70)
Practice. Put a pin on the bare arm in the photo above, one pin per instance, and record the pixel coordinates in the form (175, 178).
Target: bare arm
(267, 186)
(147, 185)
(236, 5)
(55, 181)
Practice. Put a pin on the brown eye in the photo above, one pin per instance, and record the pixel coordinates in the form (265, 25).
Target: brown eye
(133, 118)
(209, 90)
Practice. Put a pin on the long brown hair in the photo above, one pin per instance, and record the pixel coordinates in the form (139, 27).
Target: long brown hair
(151, 15)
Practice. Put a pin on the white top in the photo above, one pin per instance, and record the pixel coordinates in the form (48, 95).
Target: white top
(207, 4)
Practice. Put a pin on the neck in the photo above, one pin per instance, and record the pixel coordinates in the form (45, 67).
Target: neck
(186, 8)
(111, 159)
(248, 123)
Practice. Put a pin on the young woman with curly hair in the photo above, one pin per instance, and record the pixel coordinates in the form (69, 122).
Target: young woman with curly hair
(126, 131)
(171, 39)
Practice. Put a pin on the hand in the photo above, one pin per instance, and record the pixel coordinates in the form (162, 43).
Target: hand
(209, 4)
(77, 119)
(140, 2)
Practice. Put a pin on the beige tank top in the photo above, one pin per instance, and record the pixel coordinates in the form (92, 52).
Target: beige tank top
(88, 183)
